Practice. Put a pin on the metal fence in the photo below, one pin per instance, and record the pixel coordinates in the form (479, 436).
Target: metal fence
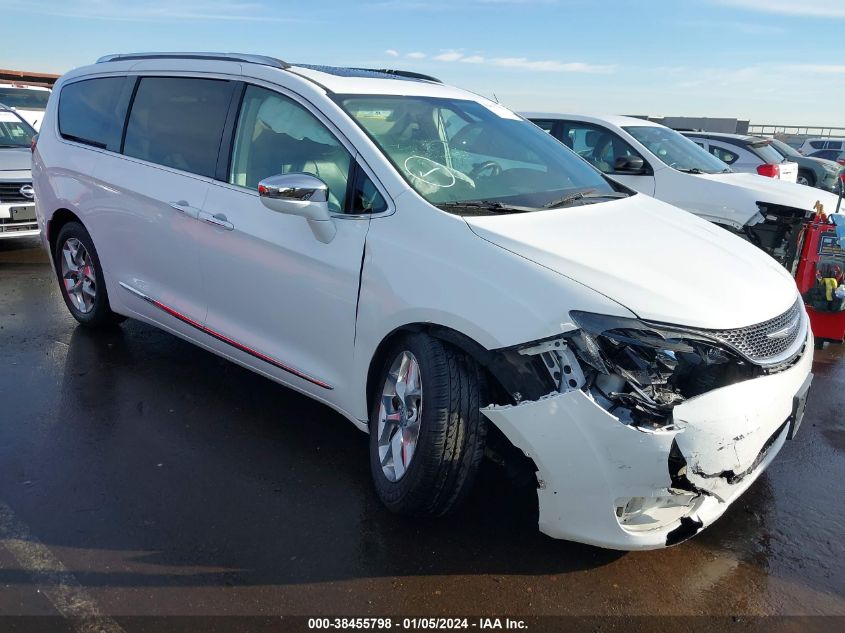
(815, 131)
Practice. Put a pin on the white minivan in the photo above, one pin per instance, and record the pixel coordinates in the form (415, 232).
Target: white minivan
(438, 270)
(658, 161)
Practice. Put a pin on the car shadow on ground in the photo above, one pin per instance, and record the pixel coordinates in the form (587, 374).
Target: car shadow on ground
(176, 453)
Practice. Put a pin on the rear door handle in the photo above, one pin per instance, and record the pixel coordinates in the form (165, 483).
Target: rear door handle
(218, 219)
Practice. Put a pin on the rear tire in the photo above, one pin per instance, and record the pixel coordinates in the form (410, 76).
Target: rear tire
(81, 279)
(806, 178)
(451, 436)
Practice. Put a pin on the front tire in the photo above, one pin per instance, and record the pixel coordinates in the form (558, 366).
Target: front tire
(427, 432)
(81, 280)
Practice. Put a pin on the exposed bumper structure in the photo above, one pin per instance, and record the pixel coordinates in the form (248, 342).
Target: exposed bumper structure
(608, 484)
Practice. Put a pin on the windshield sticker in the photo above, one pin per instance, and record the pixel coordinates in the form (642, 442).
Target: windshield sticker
(378, 115)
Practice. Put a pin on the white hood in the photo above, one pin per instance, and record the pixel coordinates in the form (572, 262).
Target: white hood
(733, 197)
(661, 263)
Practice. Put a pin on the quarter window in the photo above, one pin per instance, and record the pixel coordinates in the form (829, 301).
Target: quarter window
(276, 135)
(724, 155)
(178, 122)
(92, 112)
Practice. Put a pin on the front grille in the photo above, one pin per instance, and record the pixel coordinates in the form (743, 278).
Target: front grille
(11, 192)
(773, 341)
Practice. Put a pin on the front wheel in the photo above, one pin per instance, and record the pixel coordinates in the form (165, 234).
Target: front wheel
(81, 278)
(427, 432)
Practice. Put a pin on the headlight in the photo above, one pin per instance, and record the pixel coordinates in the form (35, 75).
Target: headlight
(641, 371)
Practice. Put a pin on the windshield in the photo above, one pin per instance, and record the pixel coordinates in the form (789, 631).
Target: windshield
(13, 131)
(24, 98)
(677, 150)
(784, 149)
(455, 151)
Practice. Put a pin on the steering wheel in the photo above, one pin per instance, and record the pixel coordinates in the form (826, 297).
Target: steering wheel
(429, 171)
(491, 165)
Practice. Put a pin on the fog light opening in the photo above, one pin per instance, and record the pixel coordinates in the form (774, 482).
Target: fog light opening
(642, 514)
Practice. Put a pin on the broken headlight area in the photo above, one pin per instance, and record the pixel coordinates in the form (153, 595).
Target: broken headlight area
(638, 371)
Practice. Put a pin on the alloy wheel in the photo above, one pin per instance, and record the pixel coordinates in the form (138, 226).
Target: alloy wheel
(399, 416)
(78, 275)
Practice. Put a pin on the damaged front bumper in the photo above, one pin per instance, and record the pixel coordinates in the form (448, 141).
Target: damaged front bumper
(622, 487)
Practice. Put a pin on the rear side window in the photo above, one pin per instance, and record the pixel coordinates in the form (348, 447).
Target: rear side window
(92, 112)
(724, 155)
(817, 144)
(178, 122)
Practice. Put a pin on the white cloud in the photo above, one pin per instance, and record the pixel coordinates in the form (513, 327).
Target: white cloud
(811, 8)
(391, 52)
(523, 63)
(154, 11)
(449, 56)
(416, 55)
(823, 69)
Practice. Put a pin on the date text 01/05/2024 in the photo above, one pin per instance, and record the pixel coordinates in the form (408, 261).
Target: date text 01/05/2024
(416, 623)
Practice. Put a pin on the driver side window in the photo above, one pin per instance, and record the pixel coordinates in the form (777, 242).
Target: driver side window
(275, 135)
(597, 145)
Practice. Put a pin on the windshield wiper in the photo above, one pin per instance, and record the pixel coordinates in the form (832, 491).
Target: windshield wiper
(575, 197)
(690, 170)
(491, 206)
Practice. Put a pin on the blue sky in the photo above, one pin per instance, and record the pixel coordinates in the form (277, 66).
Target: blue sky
(771, 61)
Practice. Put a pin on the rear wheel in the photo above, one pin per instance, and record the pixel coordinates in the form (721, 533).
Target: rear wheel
(806, 178)
(427, 432)
(81, 277)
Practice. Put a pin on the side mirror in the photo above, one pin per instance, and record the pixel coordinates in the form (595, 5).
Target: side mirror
(300, 194)
(630, 164)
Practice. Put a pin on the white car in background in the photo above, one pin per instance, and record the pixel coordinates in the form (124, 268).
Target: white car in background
(17, 206)
(431, 266)
(812, 145)
(747, 154)
(28, 101)
(661, 162)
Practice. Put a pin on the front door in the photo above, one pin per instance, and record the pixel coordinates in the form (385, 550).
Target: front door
(284, 301)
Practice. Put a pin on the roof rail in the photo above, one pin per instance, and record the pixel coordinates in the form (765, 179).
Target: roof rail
(402, 73)
(229, 57)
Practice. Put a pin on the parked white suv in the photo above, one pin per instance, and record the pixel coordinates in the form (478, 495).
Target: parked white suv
(658, 161)
(429, 264)
(812, 145)
(17, 208)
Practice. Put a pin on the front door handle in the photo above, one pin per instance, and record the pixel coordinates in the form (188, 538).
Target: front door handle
(218, 219)
(184, 207)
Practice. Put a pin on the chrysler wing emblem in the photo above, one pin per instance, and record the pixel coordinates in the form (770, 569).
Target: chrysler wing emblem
(786, 330)
(27, 192)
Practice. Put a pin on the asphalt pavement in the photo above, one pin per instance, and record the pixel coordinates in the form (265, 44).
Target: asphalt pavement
(141, 476)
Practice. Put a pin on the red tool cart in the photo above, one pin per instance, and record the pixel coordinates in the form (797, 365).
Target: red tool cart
(819, 276)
